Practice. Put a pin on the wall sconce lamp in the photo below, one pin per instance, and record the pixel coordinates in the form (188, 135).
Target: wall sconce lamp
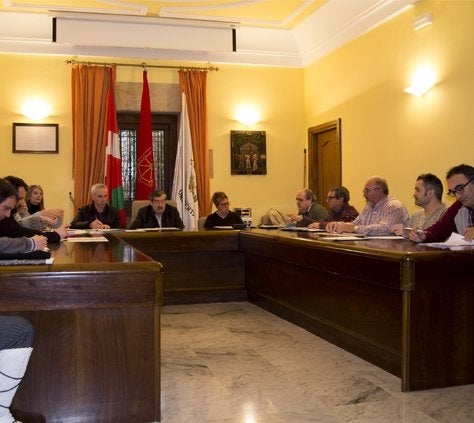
(35, 109)
(248, 115)
(422, 80)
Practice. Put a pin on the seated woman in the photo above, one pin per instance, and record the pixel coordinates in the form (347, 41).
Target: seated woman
(42, 219)
(223, 216)
(35, 202)
(35, 199)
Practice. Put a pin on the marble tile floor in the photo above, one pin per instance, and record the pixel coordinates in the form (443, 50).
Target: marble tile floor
(237, 363)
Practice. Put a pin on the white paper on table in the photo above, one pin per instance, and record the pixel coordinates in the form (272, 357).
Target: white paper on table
(455, 240)
(88, 239)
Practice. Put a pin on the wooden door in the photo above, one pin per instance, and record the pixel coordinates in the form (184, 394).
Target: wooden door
(324, 158)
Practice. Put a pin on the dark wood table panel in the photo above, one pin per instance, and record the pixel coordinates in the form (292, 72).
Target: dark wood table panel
(200, 266)
(96, 315)
(402, 306)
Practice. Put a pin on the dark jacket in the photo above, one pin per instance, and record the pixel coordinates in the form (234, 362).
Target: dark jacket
(215, 220)
(11, 228)
(87, 214)
(315, 213)
(146, 218)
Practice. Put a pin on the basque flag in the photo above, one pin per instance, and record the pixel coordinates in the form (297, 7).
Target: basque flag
(113, 161)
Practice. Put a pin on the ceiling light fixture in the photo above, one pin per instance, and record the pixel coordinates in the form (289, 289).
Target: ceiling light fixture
(422, 21)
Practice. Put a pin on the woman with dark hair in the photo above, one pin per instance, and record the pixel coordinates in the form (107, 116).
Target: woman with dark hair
(222, 216)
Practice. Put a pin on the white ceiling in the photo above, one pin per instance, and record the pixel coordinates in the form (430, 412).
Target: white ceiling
(266, 32)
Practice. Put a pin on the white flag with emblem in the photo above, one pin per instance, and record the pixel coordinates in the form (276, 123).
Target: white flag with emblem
(184, 181)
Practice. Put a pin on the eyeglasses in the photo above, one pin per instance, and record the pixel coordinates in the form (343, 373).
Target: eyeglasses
(459, 189)
(224, 204)
(367, 190)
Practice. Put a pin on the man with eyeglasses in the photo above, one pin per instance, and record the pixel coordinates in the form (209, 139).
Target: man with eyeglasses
(379, 215)
(460, 216)
(223, 216)
(309, 210)
(339, 208)
(428, 194)
(158, 214)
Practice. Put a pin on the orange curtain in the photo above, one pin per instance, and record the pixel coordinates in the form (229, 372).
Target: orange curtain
(89, 105)
(193, 84)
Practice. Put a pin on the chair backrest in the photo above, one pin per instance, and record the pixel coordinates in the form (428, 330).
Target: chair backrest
(138, 204)
(201, 222)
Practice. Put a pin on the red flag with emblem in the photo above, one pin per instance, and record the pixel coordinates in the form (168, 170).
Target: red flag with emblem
(145, 181)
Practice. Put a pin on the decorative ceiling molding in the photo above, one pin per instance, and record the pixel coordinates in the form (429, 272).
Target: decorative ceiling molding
(197, 12)
(119, 7)
(332, 25)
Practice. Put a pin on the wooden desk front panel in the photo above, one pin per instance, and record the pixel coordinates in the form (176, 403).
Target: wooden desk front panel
(440, 322)
(96, 355)
(406, 308)
(200, 266)
(322, 291)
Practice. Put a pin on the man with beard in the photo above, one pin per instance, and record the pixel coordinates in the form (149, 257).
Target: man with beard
(427, 194)
(158, 214)
(460, 216)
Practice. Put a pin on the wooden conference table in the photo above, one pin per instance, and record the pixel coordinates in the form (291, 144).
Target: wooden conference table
(97, 342)
(406, 308)
(403, 307)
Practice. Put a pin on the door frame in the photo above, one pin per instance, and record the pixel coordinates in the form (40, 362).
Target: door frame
(314, 180)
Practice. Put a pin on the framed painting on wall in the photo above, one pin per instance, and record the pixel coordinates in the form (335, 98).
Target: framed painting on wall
(248, 153)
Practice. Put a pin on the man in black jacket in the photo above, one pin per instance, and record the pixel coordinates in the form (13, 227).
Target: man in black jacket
(99, 214)
(157, 214)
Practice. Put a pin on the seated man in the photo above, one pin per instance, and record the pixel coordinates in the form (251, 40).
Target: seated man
(158, 214)
(16, 333)
(99, 214)
(309, 210)
(9, 227)
(427, 194)
(378, 216)
(340, 209)
(460, 216)
(222, 216)
(16, 342)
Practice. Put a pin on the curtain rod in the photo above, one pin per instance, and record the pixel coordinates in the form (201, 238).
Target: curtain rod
(142, 65)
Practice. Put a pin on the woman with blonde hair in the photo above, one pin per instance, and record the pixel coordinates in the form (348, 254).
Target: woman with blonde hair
(35, 199)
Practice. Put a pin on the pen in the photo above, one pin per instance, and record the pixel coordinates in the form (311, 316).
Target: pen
(418, 231)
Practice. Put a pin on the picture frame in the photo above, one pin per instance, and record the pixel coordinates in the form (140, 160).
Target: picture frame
(35, 138)
(248, 152)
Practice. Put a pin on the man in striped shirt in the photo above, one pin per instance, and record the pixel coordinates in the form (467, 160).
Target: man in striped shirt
(379, 215)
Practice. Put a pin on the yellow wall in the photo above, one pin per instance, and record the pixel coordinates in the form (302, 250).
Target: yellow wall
(384, 130)
(23, 77)
(277, 92)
